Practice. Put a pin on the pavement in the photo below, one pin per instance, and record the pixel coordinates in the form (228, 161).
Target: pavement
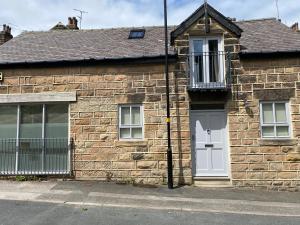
(97, 199)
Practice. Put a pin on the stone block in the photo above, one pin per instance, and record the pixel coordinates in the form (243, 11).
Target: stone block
(254, 158)
(123, 165)
(238, 175)
(240, 167)
(258, 166)
(277, 166)
(138, 156)
(84, 121)
(293, 157)
(254, 175)
(277, 158)
(287, 175)
(274, 94)
(147, 164)
(269, 175)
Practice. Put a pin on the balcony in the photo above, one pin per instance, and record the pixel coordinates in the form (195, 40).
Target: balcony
(35, 156)
(209, 71)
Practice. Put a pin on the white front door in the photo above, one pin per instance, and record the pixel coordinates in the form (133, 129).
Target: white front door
(209, 143)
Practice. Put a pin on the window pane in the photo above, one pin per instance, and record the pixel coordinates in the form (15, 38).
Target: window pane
(137, 133)
(267, 111)
(8, 122)
(198, 61)
(213, 61)
(198, 46)
(56, 121)
(280, 112)
(30, 155)
(31, 121)
(124, 132)
(31, 114)
(57, 113)
(282, 131)
(125, 115)
(8, 129)
(136, 116)
(268, 132)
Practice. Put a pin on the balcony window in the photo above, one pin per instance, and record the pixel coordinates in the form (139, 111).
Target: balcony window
(207, 62)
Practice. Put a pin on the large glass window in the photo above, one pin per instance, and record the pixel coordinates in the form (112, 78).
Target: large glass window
(34, 138)
(131, 122)
(274, 120)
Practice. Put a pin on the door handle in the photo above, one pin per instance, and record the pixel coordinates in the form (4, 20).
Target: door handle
(209, 145)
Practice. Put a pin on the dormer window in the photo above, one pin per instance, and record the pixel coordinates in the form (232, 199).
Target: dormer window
(137, 34)
(207, 62)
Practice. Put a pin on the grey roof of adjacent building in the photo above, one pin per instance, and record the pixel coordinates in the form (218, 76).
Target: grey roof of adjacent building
(259, 36)
(267, 36)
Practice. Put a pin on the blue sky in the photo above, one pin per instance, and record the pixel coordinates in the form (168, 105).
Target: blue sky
(43, 14)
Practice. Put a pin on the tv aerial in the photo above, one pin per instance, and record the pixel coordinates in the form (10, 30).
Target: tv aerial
(81, 15)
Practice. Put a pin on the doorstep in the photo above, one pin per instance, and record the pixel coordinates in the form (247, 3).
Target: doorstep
(212, 182)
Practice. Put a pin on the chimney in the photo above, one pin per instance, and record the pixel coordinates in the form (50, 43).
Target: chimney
(5, 34)
(72, 23)
(295, 27)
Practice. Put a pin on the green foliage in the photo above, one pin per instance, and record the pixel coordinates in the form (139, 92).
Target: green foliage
(21, 178)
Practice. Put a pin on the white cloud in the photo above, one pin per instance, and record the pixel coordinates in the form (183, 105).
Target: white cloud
(43, 14)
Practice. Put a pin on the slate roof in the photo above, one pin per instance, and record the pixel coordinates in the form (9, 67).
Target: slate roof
(76, 45)
(265, 35)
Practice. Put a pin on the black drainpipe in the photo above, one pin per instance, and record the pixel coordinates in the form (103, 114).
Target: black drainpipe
(169, 151)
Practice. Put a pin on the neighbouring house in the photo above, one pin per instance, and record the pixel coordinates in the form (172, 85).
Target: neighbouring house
(92, 103)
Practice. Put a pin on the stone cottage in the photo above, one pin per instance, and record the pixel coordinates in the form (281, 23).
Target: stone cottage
(92, 103)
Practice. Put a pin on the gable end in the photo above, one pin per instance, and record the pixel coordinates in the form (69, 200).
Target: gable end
(200, 12)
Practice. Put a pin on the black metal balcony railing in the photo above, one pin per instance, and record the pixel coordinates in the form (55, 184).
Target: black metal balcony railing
(35, 156)
(209, 70)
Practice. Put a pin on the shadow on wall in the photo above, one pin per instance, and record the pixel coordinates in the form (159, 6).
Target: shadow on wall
(181, 180)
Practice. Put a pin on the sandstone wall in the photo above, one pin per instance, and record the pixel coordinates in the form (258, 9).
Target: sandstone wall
(257, 162)
(99, 154)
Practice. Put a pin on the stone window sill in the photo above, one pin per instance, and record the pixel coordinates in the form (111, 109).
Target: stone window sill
(275, 142)
(131, 143)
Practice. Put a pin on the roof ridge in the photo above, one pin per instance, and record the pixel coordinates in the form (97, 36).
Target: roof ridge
(99, 29)
(258, 19)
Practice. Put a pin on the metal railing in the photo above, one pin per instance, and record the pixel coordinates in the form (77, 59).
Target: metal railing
(35, 156)
(209, 70)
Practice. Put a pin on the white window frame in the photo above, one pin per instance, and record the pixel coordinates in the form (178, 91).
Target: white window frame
(131, 126)
(275, 124)
(205, 40)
